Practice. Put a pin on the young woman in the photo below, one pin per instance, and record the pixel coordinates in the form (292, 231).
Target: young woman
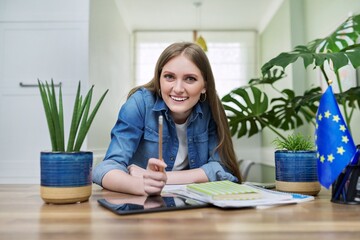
(197, 145)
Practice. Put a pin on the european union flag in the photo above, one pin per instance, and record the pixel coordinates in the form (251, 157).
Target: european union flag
(335, 146)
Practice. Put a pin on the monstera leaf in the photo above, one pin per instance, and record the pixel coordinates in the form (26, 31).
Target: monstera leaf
(285, 116)
(338, 59)
(268, 78)
(350, 97)
(339, 47)
(246, 110)
(289, 111)
(344, 36)
(307, 104)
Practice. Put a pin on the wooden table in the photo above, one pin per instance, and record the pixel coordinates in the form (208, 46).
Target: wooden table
(23, 215)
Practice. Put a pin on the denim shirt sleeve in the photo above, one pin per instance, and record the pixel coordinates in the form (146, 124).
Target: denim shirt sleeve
(216, 172)
(125, 138)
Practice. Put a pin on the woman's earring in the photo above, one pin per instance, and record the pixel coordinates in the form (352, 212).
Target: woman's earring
(202, 97)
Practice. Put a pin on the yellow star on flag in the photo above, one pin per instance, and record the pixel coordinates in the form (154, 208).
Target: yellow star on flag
(340, 150)
(342, 128)
(344, 139)
(330, 158)
(327, 114)
(336, 118)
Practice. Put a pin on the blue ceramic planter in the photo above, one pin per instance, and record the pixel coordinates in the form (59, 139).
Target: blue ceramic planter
(296, 171)
(66, 177)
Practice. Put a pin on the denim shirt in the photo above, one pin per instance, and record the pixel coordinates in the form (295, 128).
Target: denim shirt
(134, 138)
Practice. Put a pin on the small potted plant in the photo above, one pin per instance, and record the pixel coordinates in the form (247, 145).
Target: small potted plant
(296, 165)
(66, 170)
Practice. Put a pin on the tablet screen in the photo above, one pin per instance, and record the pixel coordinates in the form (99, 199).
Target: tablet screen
(142, 204)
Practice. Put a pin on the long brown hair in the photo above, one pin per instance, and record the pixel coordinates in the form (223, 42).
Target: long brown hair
(195, 54)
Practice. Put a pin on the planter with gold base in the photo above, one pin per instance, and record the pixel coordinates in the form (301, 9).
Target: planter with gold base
(66, 177)
(296, 171)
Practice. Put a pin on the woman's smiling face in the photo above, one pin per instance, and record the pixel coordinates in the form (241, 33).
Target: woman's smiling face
(181, 84)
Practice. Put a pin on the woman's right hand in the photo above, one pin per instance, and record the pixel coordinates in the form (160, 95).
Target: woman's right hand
(154, 178)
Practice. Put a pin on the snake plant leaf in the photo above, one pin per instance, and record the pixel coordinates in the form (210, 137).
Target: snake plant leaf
(61, 120)
(48, 115)
(80, 107)
(88, 120)
(55, 117)
(246, 113)
(74, 120)
(82, 127)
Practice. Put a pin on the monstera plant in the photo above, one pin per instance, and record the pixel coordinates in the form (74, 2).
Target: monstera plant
(249, 108)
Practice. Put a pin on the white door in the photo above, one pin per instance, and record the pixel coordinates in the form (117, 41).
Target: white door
(44, 41)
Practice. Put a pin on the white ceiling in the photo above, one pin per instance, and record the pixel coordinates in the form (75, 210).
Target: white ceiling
(184, 15)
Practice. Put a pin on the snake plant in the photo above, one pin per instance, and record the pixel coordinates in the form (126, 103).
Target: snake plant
(81, 120)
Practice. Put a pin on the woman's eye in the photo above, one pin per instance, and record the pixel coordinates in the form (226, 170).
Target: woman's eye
(190, 79)
(168, 76)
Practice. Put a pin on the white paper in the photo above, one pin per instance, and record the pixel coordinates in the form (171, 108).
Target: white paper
(269, 197)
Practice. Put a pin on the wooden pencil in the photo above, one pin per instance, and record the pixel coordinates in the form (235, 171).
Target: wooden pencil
(160, 138)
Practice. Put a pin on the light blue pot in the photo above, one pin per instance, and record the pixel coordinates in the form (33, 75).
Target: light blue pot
(66, 177)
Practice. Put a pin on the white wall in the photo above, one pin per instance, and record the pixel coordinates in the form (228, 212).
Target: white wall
(109, 68)
(275, 38)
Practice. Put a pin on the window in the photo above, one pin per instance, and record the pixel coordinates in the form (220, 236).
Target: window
(232, 55)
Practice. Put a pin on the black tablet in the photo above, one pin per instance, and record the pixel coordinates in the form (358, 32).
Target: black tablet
(149, 204)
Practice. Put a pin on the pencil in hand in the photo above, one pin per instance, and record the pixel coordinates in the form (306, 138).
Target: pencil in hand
(160, 139)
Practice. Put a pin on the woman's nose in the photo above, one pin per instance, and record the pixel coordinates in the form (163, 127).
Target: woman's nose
(178, 86)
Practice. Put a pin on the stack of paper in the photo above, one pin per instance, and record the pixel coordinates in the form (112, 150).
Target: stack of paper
(267, 197)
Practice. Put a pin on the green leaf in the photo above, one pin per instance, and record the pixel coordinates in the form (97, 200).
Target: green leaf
(74, 121)
(89, 121)
(268, 78)
(55, 116)
(61, 119)
(345, 35)
(353, 56)
(82, 128)
(336, 48)
(246, 113)
(79, 116)
(350, 97)
(289, 111)
(48, 115)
